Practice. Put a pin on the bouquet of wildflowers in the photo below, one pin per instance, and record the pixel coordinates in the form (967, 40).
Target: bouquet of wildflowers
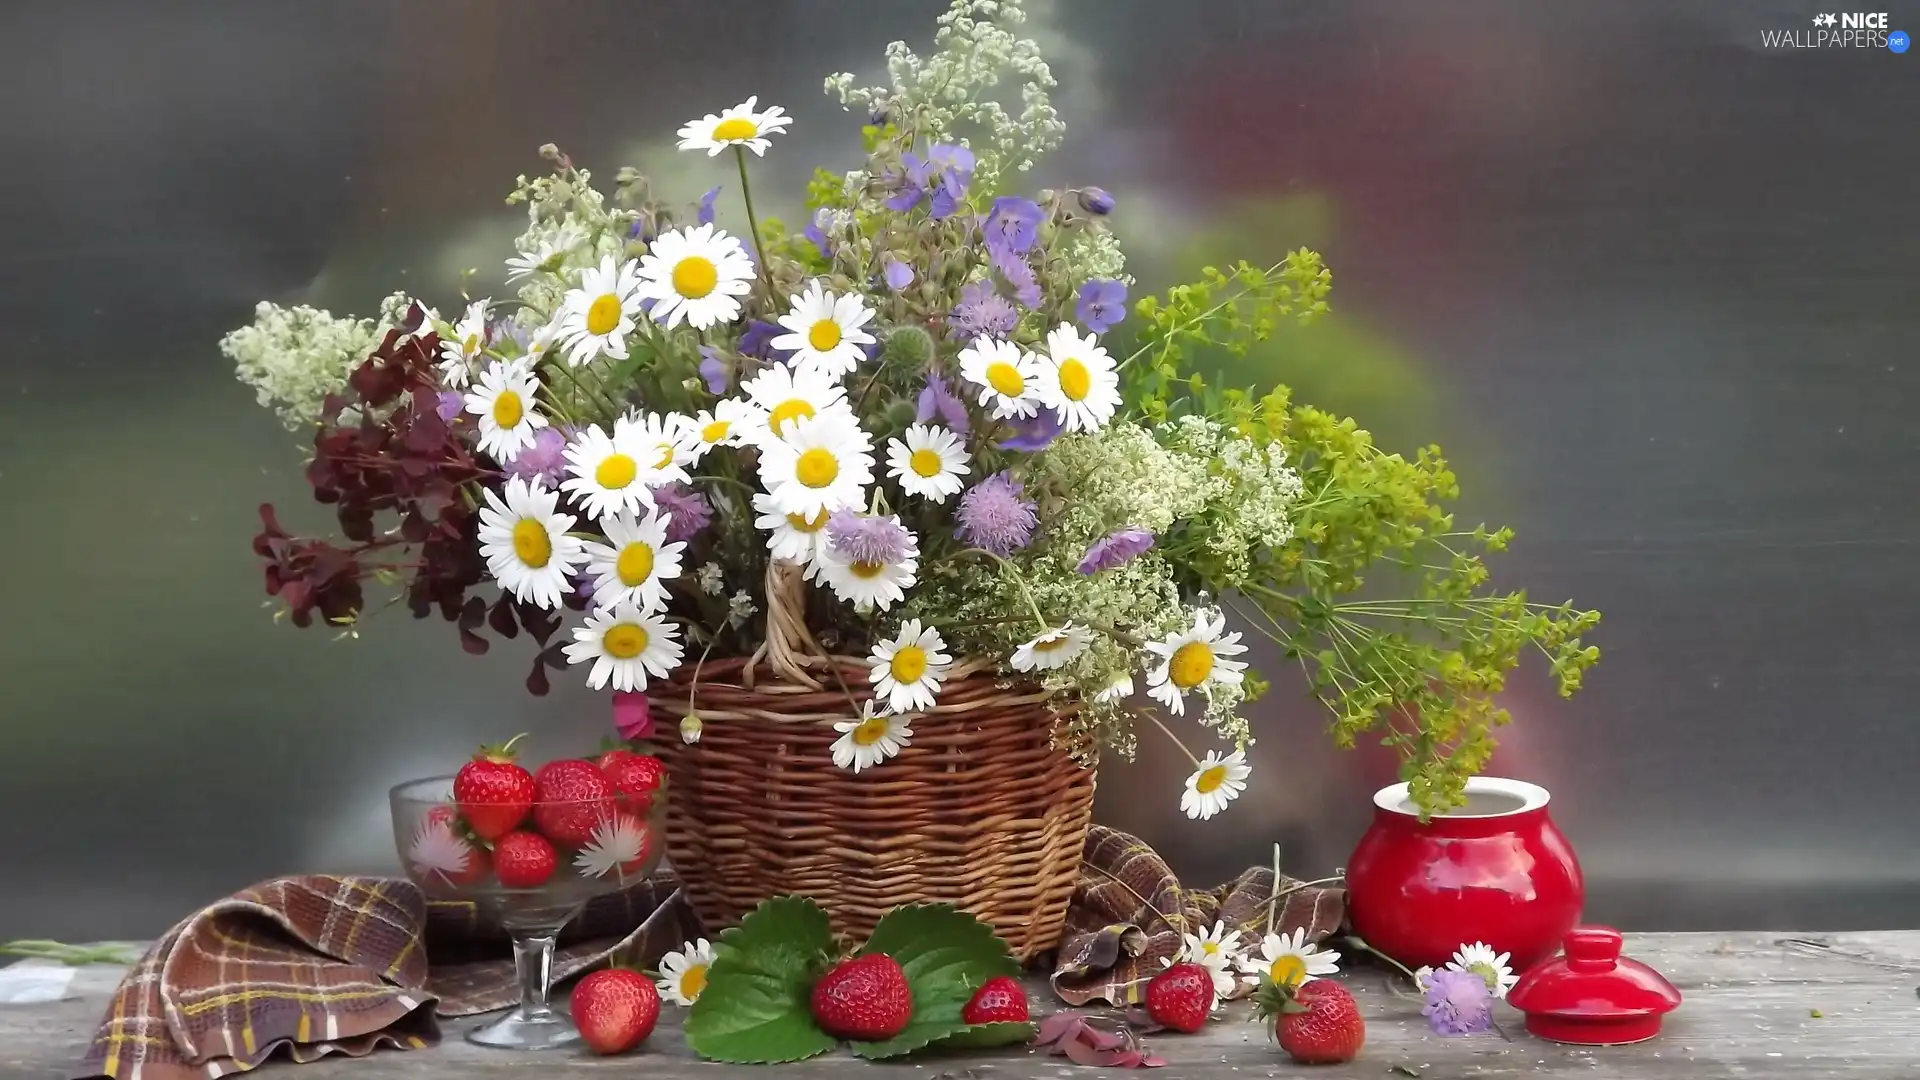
(934, 407)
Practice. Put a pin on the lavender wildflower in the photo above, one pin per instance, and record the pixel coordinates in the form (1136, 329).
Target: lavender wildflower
(1102, 304)
(1096, 201)
(982, 312)
(688, 511)
(1457, 1003)
(1033, 433)
(713, 370)
(450, 404)
(910, 183)
(816, 231)
(1115, 549)
(705, 213)
(940, 179)
(1020, 277)
(994, 515)
(1012, 225)
(899, 275)
(544, 461)
(757, 340)
(936, 400)
(868, 538)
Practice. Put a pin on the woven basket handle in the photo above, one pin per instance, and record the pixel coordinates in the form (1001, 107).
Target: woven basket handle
(790, 648)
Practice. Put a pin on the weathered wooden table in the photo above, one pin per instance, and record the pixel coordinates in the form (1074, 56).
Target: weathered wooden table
(1758, 1005)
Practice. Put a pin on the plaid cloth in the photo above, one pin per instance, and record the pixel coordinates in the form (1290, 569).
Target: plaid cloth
(1129, 911)
(323, 964)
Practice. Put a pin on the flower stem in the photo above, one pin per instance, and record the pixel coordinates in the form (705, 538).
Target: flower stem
(753, 224)
(1168, 732)
(1032, 605)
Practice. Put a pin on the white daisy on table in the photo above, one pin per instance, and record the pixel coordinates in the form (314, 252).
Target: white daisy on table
(1008, 376)
(1216, 781)
(609, 474)
(866, 584)
(1120, 689)
(826, 332)
(783, 395)
(547, 258)
(1052, 648)
(1217, 950)
(596, 317)
(438, 852)
(1078, 380)
(797, 538)
(635, 564)
(1193, 660)
(742, 125)
(870, 740)
(620, 845)
(929, 461)
(726, 424)
(526, 545)
(696, 276)
(1289, 960)
(824, 462)
(505, 403)
(907, 671)
(626, 646)
(462, 347)
(683, 972)
(667, 442)
(1480, 959)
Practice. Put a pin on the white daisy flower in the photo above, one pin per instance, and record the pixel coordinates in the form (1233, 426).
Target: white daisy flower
(797, 538)
(726, 424)
(825, 462)
(596, 318)
(1008, 376)
(539, 343)
(667, 442)
(1193, 660)
(695, 275)
(635, 564)
(783, 395)
(1078, 380)
(1289, 961)
(504, 402)
(438, 852)
(463, 345)
(626, 646)
(1217, 950)
(1480, 959)
(1052, 648)
(929, 461)
(683, 972)
(908, 670)
(870, 740)
(620, 845)
(1120, 689)
(825, 332)
(869, 584)
(610, 474)
(741, 125)
(1215, 782)
(548, 258)
(526, 545)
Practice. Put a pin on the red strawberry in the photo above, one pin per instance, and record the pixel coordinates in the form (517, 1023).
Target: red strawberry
(865, 998)
(1317, 1022)
(999, 1001)
(570, 797)
(493, 791)
(437, 843)
(1181, 997)
(524, 860)
(638, 778)
(614, 1009)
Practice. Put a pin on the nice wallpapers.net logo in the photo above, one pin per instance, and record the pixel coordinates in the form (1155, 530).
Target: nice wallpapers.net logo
(1840, 30)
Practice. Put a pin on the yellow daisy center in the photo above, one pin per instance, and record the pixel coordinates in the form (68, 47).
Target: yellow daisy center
(1075, 379)
(615, 471)
(1288, 970)
(1486, 971)
(789, 410)
(635, 564)
(735, 127)
(693, 981)
(715, 431)
(665, 459)
(603, 314)
(926, 463)
(1210, 780)
(816, 468)
(824, 335)
(470, 344)
(695, 276)
(624, 641)
(1006, 379)
(531, 543)
(1210, 948)
(1191, 664)
(866, 569)
(508, 408)
(908, 664)
(870, 731)
(808, 524)
(1057, 641)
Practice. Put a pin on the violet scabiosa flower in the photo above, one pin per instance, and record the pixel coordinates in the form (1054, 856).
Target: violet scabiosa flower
(544, 461)
(1115, 549)
(1020, 276)
(705, 213)
(1457, 1003)
(982, 312)
(899, 275)
(816, 231)
(688, 511)
(757, 340)
(1096, 201)
(450, 404)
(866, 538)
(713, 370)
(995, 515)
(1102, 303)
(937, 401)
(1012, 225)
(1033, 433)
(940, 179)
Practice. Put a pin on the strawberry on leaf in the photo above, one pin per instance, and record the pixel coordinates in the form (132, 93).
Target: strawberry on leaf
(947, 956)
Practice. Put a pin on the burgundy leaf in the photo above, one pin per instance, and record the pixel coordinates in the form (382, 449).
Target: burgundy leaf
(1100, 1039)
(473, 643)
(539, 623)
(1059, 1026)
(500, 617)
(537, 683)
(472, 613)
(1082, 1054)
(1149, 1061)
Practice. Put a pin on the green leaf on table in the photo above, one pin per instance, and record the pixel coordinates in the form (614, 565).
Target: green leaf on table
(982, 1036)
(755, 1008)
(946, 955)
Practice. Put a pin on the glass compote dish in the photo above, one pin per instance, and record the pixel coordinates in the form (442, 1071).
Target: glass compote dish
(592, 847)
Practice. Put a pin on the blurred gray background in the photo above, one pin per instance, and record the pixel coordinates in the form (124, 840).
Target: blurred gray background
(1653, 287)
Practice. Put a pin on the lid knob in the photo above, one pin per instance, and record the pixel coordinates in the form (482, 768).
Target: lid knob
(1592, 948)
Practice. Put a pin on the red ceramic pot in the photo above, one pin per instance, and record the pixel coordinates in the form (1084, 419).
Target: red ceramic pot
(1495, 870)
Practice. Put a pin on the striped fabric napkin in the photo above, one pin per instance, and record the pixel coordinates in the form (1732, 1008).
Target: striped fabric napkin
(322, 964)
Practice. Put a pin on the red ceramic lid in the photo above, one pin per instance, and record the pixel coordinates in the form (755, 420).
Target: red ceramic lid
(1591, 995)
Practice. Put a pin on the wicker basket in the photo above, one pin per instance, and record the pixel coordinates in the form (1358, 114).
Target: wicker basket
(981, 810)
